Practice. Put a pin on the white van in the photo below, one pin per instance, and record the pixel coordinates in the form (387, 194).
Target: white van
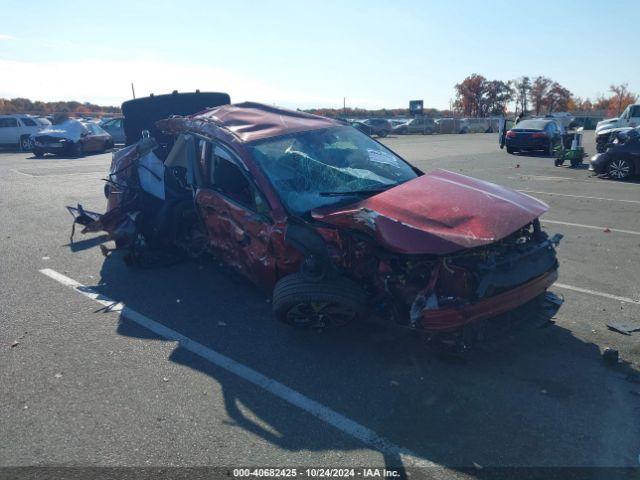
(16, 130)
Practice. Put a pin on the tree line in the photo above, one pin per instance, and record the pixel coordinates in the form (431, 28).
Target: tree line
(24, 105)
(477, 96)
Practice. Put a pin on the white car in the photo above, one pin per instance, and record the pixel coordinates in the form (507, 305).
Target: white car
(17, 130)
(629, 118)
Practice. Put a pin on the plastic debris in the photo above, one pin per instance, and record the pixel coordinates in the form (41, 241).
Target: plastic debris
(165, 379)
(624, 327)
(45, 257)
(610, 356)
(58, 375)
(15, 344)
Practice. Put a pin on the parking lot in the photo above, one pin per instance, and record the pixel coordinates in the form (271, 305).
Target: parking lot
(185, 365)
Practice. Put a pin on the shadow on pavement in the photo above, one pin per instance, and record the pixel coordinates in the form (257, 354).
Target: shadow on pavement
(533, 396)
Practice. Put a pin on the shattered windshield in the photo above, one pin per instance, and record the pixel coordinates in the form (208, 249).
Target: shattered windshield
(323, 167)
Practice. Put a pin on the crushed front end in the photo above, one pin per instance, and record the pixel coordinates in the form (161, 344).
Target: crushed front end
(445, 293)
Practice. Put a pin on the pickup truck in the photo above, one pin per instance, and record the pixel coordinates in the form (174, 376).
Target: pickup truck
(629, 118)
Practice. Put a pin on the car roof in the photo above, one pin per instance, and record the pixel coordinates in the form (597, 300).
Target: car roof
(250, 121)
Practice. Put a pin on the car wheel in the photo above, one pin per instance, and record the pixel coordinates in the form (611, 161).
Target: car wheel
(303, 302)
(383, 133)
(25, 143)
(619, 169)
(38, 153)
(77, 150)
(510, 150)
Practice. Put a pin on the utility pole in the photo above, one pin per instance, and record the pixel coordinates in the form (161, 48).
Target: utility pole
(133, 90)
(344, 106)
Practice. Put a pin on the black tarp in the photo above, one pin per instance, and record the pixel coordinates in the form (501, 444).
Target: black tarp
(142, 113)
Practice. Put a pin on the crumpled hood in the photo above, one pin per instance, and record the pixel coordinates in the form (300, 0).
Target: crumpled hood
(438, 213)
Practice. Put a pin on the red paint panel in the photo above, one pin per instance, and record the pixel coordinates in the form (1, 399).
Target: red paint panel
(438, 213)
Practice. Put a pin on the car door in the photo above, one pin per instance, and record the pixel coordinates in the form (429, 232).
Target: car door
(236, 215)
(9, 131)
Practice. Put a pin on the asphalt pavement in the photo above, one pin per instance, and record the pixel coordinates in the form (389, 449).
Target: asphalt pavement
(213, 379)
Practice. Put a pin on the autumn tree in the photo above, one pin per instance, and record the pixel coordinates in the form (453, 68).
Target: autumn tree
(496, 96)
(557, 98)
(469, 95)
(538, 92)
(522, 87)
(621, 97)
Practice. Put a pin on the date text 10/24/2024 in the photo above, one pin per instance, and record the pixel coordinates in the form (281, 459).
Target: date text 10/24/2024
(315, 473)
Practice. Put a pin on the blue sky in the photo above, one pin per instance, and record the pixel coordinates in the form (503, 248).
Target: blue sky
(308, 53)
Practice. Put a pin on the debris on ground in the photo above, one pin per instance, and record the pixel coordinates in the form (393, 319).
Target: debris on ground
(477, 466)
(610, 356)
(15, 344)
(607, 230)
(58, 375)
(45, 257)
(624, 327)
(165, 379)
(554, 298)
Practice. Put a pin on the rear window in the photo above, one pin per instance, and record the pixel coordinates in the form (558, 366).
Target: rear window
(532, 124)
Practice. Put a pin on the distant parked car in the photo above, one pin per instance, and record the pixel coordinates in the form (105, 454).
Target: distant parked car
(534, 134)
(474, 125)
(374, 126)
(115, 128)
(622, 158)
(71, 137)
(16, 130)
(447, 125)
(417, 125)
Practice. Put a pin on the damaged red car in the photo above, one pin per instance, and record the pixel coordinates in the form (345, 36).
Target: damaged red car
(333, 223)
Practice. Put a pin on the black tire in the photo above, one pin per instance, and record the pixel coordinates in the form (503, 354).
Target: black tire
(77, 150)
(38, 153)
(383, 133)
(510, 150)
(25, 143)
(619, 169)
(305, 303)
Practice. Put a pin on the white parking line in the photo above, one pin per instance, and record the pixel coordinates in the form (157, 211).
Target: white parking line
(594, 227)
(342, 423)
(599, 294)
(579, 196)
